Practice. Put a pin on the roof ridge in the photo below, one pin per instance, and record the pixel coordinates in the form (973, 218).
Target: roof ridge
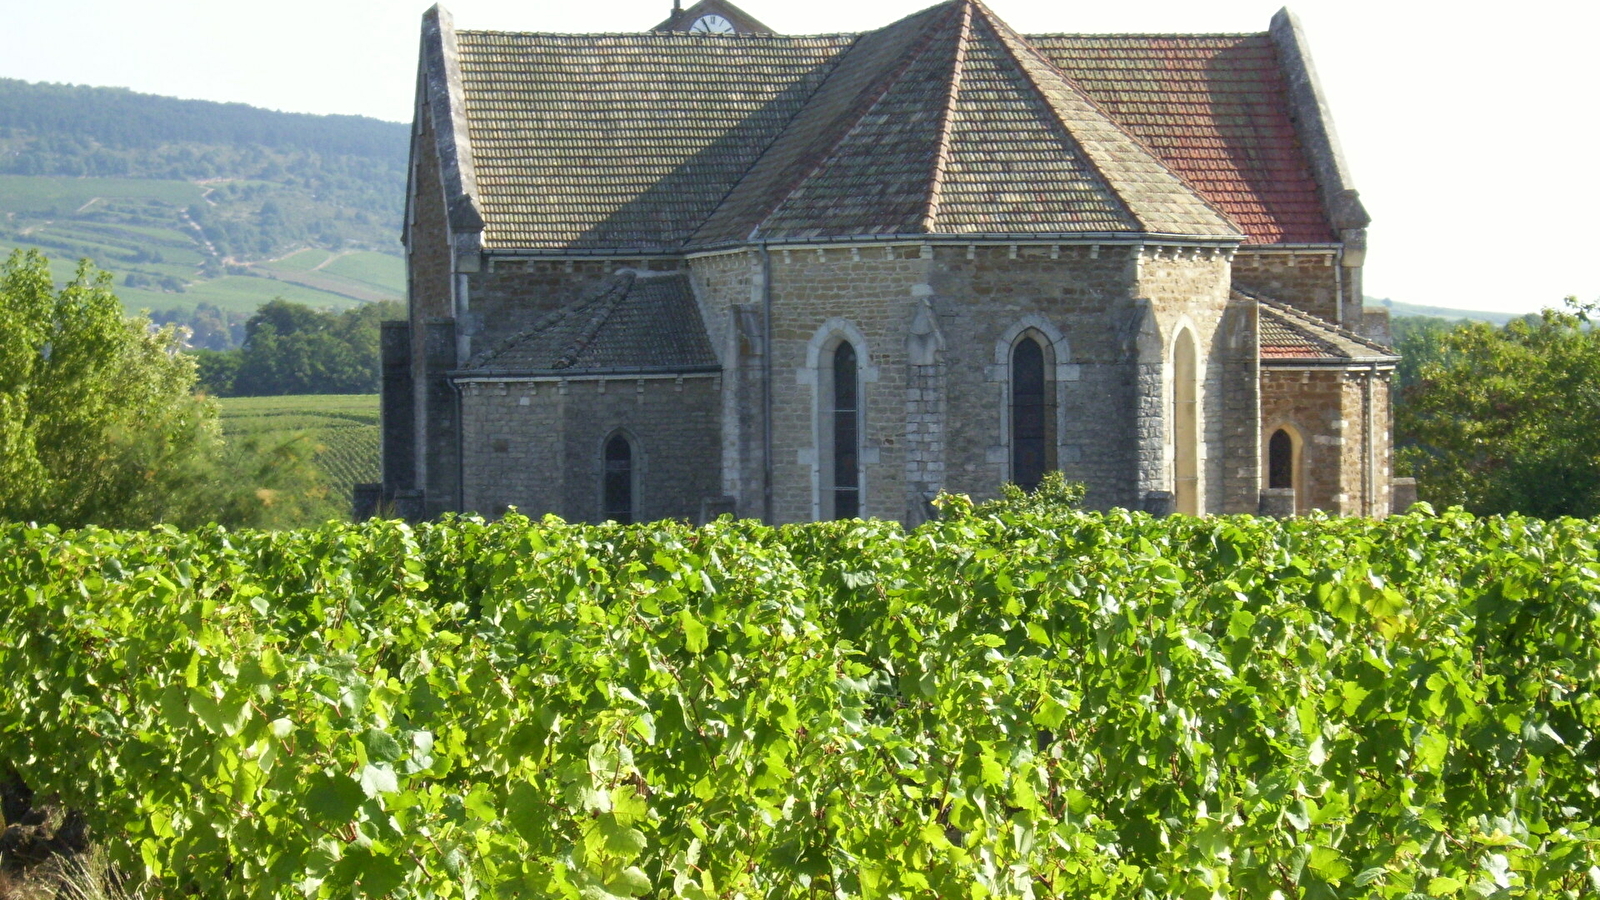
(605, 306)
(667, 35)
(1000, 28)
(941, 155)
(1146, 34)
(1014, 43)
(858, 110)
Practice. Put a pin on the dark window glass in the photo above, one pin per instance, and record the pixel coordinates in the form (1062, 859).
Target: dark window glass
(846, 439)
(1280, 460)
(619, 480)
(1030, 433)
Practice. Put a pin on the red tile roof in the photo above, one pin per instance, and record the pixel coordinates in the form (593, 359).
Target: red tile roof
(1215, 108)
(1288, 334)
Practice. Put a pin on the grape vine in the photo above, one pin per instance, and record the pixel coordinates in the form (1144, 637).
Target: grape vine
(1075, 706)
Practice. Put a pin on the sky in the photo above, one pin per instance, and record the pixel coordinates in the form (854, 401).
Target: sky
(1470, 129)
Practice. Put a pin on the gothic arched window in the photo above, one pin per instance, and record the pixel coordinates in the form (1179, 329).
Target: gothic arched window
(1186, 425)
(618, 478)
(844, 420)
(1032, 431)
(1280, 461)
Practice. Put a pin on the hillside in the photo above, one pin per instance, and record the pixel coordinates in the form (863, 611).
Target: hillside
(194, 204)
(1399, 310)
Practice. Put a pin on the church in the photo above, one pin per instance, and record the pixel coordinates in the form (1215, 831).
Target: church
(710, 269)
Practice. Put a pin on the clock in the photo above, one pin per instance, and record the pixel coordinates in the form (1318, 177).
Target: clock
(711, 25)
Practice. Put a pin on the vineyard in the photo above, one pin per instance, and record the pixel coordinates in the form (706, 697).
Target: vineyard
(344, 428)
(1032, 706)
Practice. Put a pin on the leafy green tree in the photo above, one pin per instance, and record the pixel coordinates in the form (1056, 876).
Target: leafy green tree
(100, 423)
(293, 349)
(1508, 420)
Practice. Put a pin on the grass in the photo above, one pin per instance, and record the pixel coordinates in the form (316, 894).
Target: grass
(344, 426)
(240, 293)
(385, 272)
(303, 261)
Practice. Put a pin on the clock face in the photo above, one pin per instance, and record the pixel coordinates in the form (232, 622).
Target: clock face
(711, 25)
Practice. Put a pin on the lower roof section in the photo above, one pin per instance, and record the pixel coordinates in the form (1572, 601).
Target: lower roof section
(1293, 338)
(634, 322)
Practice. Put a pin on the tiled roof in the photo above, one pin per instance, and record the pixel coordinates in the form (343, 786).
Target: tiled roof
(1215, 108)
(1290, 335)
(624, 141)
(632, 322)
(946, 122)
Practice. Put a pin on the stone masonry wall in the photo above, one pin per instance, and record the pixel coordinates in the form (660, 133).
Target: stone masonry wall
(728, 288)
(428, 268)
(1314, 403)
(1307, 281)
(1189, 289)
(1081, 298)
(539, 446)
(870, 291)
(1366, 460)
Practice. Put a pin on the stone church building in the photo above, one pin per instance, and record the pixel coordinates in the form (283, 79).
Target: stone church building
(708, 268)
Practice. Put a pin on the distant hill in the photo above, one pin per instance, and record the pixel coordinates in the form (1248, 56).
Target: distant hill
(1397, 309)
(191, 203)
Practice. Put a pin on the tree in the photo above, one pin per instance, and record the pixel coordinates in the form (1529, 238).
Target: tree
(1508, 420)
(99, 421)
(290, 348)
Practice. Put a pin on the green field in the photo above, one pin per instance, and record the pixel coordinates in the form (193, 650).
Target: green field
(64, 196)
(360, 275)
(140, 232)
(380, 270)
(344, 426)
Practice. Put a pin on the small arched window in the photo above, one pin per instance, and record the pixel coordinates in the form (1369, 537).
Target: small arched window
(1032, 431)
(1280, 461)
(618, 477)
(845, 418)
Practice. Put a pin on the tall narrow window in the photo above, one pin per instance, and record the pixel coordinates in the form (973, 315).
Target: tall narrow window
(1030, 420)
(1185, 426)
(1280, 461)
(619, 480)
(846, 436)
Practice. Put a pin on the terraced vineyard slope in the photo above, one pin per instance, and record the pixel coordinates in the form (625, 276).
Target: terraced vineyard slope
(189, 202)
(344, 427)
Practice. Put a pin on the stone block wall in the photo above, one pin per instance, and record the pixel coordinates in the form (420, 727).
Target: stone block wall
(428, 275)
(1189, 289)
(1313, 403)
(943, 422)
(1309, 281)
(538, 445)
(869, 292)
(1082, 300)
(729, 290)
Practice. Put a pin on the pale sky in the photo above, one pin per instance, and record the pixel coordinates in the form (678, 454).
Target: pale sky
(1470, 128)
